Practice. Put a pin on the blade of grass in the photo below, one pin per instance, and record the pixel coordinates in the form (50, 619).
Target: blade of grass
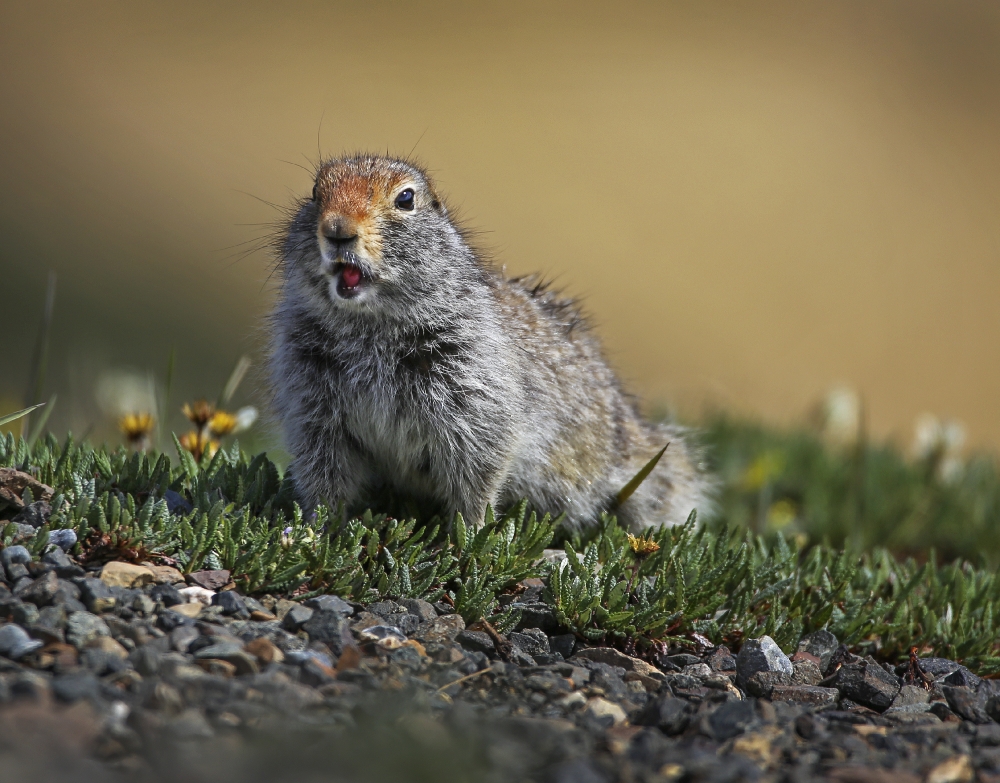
(36, 432)
(235, 378)
(8, 418)
(161, 420)
(40, 355)
(626, 492)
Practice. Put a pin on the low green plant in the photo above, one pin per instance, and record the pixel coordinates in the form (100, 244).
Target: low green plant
(689, 584)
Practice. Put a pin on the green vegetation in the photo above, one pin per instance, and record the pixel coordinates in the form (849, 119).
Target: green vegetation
(737, 578)
(860, 496)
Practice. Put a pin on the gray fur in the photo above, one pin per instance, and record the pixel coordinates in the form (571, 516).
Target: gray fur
(445, 381)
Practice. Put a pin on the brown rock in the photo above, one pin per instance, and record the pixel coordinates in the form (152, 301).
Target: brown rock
(109, 645)
(613, 657)
(349, 659)
(262, 617)
(443, 630)
(210, 580)
(217, 666)
(118, 574)
(811, 695)
(264, 650)
(188, 610)
(165, 575)
(14, 482)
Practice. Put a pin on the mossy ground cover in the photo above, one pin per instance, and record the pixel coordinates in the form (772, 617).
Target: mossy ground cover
(738, 577)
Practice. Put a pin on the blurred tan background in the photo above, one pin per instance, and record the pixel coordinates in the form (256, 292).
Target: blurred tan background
(757, 201)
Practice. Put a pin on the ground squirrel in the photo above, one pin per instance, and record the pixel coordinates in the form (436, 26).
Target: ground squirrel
(402, 361)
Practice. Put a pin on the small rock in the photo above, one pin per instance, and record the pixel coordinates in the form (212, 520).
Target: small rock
(670, 714)
(967, 703)
(209, 580)
(190, 725)
(108, 645)
(761, 684)
(165, 575)
(533, 641)
(189, 611)
(75, 686)
(867, 683)
(25, 614)
(822, 644)
(563, 644)
(177, 503)
(721, 660)
(264, 650)
(197, 593)
(167, 594)
(217, 667)
(910, 694)
(316, 673)
(96, 595)
(536, 614)
(15, 642)
(50, 625)
(330, 603)
(17, 572)
(420, 608)
(231, 603)
(14, 554)
(612, 657)
(988, 735)
(938, 668)
(961, 677)
(295, 617)
(64, 539)
(182, 636)
(232, 653)
(700, 670)
(83, 627)
(13, 482)
(118, 574)
(477, 641)
(957, 769)
(805, 671)
(34, 514)
(326, 627)
(809, 695)
(386, 636)
(760, 655)
(733, 718)
(57, 558)
(42, 590)
(518, 657)
(604, 709)
(680, 660)
(443, 630)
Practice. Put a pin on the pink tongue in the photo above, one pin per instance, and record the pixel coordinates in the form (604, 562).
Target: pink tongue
(351, 276)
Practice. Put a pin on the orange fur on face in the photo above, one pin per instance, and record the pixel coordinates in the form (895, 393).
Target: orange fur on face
(360, 198)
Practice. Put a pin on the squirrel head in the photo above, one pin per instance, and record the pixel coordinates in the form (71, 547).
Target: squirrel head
(374, 233)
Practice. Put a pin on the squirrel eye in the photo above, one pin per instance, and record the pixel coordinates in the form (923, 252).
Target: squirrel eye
(405, 200)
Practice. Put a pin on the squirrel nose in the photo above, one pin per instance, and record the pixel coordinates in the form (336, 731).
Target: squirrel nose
(339, 230)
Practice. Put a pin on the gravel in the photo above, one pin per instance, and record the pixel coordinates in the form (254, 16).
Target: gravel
(116, 682)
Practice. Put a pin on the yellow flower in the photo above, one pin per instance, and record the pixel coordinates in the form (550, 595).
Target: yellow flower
(198, 444)
(222, 423)
(642, 546)
(137, 428)
(200, 413)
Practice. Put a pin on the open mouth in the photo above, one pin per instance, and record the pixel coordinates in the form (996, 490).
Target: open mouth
(351, 279)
